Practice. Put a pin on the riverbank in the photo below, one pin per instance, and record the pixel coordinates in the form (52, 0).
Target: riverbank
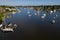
(5, 10)
(46, 8)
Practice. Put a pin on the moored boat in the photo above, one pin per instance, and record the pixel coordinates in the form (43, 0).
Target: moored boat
(8, 28)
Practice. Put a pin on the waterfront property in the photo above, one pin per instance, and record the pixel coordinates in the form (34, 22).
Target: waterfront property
(2, 10)
(5, 10)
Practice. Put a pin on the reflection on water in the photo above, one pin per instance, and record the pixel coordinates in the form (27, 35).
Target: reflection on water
(31, 25)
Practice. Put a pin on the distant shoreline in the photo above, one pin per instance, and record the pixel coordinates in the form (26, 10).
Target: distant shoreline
(30, 5)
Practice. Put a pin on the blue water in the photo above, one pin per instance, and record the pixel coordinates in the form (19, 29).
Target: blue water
(33, 27)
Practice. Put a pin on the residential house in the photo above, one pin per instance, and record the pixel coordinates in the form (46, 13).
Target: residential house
(2, 10)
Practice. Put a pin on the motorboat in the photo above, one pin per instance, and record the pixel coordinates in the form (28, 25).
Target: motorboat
(54, 11)
(13, 12)
(44, 15)
(0, 25)
(51, 12)
(28, 12)
(30, 15)
(53, 22)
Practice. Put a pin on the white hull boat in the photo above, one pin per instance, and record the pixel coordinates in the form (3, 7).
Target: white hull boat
(8, 28)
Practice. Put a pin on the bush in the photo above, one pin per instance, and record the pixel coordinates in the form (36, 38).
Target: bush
(0, 21)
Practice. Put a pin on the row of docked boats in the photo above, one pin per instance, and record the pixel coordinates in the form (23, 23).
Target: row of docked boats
(8, 28)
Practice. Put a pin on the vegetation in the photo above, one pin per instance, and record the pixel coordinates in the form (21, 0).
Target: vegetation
(43, 7)
(3, 13)
(7, 6)
(47, 8)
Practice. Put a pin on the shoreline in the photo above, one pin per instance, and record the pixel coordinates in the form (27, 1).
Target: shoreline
(4, 10)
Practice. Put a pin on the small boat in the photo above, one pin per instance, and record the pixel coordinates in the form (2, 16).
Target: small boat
(35, 14)
(25, 8)
(54, 11)
(30, 15)
(1, 25)
(51, 12)
(28, 12)
(56, 15)
(44, 14)
(53, 22)
(13, 12)
(42, 17)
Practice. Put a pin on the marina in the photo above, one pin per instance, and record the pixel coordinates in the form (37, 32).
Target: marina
(29, 19)
(29, 24)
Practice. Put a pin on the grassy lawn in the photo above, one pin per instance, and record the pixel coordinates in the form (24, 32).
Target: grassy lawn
(1, 15)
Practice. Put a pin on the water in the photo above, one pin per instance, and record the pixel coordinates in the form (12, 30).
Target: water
(32, 26)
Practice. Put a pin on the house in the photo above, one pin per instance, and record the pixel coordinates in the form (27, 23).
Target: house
(2, 10)
(11, 9)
